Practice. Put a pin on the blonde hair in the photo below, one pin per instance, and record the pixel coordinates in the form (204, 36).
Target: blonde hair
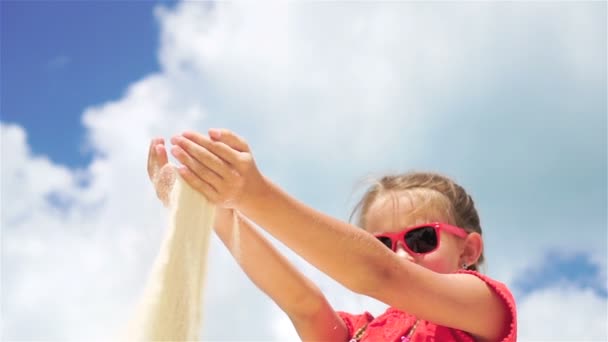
(429, 191)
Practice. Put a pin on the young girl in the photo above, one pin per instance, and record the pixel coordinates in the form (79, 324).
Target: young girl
(427, 275)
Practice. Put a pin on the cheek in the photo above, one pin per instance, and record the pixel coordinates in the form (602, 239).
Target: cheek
(438, 263)
(443, 260)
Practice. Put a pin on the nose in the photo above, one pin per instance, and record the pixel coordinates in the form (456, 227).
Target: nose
(402, 252)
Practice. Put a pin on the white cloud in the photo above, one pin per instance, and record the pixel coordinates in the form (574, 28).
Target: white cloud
(325, 92)
(33, 178)
(563, 313)
(565, 307)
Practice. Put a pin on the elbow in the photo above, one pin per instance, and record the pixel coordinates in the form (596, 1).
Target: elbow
(317, 321)
(306, 305)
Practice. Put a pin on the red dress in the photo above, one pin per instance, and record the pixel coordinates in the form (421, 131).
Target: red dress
(394, 325)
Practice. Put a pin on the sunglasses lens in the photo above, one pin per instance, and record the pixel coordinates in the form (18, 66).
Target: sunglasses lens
(386, 241)
(421, 240)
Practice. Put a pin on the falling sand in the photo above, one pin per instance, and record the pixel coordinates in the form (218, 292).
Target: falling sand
(171, 309)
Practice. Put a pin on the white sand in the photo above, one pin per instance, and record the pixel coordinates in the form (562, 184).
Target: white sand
(171, 309)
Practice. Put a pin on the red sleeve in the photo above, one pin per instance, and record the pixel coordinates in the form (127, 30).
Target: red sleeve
(354, 322)
(508, 301)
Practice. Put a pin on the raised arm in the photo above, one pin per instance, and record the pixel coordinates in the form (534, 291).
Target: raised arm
(357, 260)
(309, 311)
(312, 316)
(346, 253)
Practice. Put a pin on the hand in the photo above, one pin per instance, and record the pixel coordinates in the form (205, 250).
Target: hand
(220, 166)
(161, 172)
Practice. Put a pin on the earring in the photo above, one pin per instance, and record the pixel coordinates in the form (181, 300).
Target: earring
(465, 266)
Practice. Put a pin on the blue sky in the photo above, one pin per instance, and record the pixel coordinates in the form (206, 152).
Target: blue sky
(59, 57)
(508, 98)
(576, 269)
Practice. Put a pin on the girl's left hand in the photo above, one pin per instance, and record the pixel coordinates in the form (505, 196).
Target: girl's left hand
(161, 172)
(220, 166)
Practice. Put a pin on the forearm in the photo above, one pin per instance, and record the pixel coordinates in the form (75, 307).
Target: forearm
(312, 316)
(269, 270)
(346, 253)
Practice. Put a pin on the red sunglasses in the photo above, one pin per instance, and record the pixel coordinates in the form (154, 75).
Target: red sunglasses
(420, 239)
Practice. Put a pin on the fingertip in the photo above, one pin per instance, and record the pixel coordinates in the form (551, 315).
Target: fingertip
(159, 149)
(183, 171)
(189, 134)
(175, 150)
(215, 133)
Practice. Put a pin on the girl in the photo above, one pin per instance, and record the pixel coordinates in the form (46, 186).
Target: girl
(427, 275)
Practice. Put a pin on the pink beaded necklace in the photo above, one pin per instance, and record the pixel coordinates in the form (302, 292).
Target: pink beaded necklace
(410, 333)
(405, 338)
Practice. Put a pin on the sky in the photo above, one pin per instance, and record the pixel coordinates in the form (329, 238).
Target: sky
(68, 55)
(507, 98)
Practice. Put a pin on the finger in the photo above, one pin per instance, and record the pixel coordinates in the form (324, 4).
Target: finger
(150, 157)
(161, 155)
(198, 184)
(156, 141)
(202, 155)
(199, 169)
(229, 138)
(220, 149)
(152, 161)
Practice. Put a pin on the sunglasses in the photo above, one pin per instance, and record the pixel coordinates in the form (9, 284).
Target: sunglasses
(421, 239)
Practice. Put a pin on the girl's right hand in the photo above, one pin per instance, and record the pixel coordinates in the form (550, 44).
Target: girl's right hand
(221, 167)
(161, 173)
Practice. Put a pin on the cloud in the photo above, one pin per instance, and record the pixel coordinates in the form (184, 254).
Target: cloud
(33, 178)
(563, 313)
(563, 297)
(505, 97)
(60, 264)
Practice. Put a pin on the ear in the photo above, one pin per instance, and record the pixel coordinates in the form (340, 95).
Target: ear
(472, 249)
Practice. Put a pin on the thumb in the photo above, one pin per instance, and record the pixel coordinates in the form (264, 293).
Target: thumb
(229, 138)
(157, 157)
(161, 154)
